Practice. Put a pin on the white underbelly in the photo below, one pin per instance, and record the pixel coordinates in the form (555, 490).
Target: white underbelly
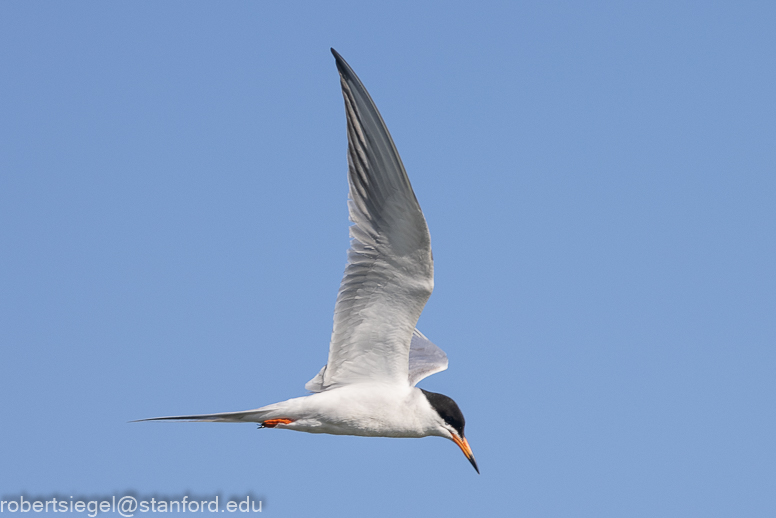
(364, 410)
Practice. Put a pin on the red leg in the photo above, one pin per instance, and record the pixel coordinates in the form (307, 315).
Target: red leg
(272, 423)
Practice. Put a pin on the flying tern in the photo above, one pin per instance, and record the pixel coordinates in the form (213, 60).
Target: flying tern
(376, 355)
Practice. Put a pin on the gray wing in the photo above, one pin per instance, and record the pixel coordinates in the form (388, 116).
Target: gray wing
(390, 273)
(425, 359)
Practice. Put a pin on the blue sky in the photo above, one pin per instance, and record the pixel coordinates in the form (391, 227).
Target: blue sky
(599, 182)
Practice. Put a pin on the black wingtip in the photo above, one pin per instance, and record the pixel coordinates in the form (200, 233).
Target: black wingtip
(342, 66)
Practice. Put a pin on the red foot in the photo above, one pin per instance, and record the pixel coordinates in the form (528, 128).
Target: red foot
(272, 423)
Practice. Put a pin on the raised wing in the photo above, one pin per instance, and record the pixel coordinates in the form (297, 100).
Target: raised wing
(390, 271)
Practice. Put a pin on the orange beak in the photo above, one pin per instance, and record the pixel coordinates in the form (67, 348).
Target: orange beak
(466, 449)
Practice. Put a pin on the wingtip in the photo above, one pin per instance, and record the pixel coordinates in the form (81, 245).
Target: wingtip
(342, 65)
(336, 54)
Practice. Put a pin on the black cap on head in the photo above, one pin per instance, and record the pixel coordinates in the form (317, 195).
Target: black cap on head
(447, 410)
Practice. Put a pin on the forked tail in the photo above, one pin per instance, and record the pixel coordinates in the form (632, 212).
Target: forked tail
(258, 415)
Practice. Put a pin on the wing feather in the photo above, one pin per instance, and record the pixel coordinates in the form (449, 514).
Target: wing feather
(425, 358)
(390, 274)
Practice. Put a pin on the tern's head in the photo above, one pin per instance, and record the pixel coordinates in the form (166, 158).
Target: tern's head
(451, 422)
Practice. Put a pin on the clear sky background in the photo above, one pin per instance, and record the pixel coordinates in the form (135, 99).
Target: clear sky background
(599, 179)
